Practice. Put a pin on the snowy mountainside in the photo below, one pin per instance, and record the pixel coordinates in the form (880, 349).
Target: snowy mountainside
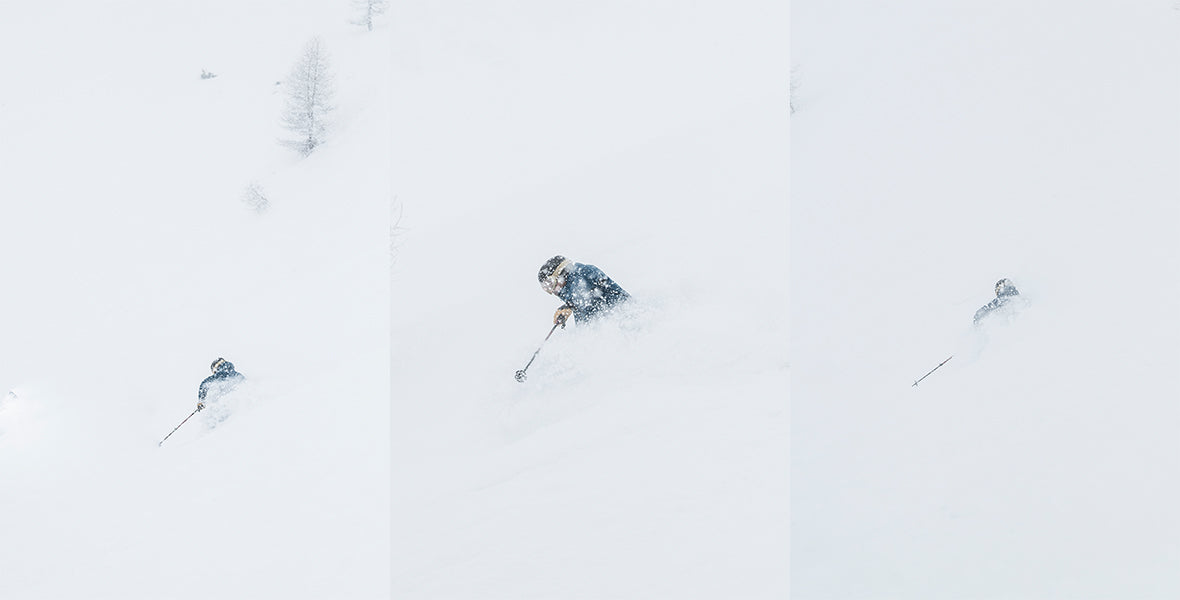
(935, 151)
(645, 458)
(131, 263)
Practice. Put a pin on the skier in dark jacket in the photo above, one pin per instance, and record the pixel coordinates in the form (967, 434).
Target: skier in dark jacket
(1005, 293)
(585, 289)
(223, 381)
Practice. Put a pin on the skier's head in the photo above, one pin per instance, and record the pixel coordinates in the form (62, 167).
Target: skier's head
(1005, 287)
(221, 366)
(552, 273)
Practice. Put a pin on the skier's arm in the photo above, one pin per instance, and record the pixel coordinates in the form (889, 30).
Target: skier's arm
(201, 394)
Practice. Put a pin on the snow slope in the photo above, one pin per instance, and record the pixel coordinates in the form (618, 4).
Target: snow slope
(130, 264)
(642, 460)
(938, 147)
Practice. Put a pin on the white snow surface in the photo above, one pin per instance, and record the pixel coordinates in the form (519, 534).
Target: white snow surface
(641, 459)
(938, 147)
(130, 264)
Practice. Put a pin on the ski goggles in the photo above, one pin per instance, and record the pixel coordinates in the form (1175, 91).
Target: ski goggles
(553, 283)
(556, 280)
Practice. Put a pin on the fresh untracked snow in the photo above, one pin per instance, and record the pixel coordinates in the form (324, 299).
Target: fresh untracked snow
(130, 263)
(381, 447)
(938, 147)
(645, 457)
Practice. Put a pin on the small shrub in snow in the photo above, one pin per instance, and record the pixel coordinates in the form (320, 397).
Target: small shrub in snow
(255, 198)
(794, 87)
(396, 231)
(207, 75)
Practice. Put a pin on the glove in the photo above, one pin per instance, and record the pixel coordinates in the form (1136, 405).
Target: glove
(200, 406)
(562, 314)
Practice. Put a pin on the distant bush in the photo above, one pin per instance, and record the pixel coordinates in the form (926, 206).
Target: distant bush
(255, 198)
(396, 231)
(794, 87)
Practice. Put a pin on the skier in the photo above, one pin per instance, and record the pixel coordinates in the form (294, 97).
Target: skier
(1005, 293)
(587, 291)
(223, 381)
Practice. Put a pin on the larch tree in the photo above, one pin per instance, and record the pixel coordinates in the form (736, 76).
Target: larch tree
(309, 90)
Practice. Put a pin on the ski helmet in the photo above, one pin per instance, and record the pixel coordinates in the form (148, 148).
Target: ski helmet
(552, 273)
(549, 266)
(1004, 287)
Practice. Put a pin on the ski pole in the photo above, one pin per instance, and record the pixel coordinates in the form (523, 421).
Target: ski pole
(933, 370)
(177, 427)
(520, 376)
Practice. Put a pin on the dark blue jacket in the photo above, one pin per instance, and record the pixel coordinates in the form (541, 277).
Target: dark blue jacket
(220, 383)
(589, 292)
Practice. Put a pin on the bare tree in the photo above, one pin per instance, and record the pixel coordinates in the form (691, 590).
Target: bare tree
(309, 99)
(368, 10)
